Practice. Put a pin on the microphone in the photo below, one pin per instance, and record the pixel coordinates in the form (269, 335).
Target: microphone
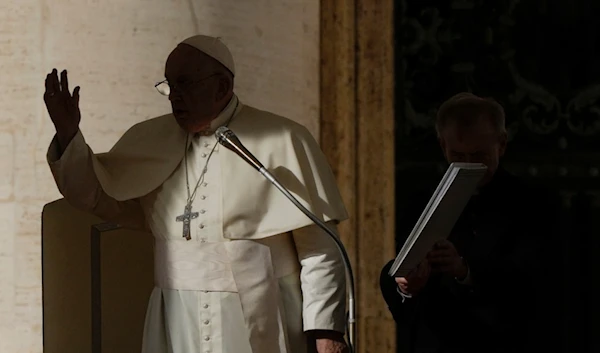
(229, 140)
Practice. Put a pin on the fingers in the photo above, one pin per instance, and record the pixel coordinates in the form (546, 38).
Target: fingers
(401, 280)
(426, 270)
(54, 85)
(76, 96)
(443, 244)
(48, 83)
(420, 273)
(54, 81)
(442, 262)
(402, 284)
(441, 269)
(64, 82)
(441, 256)
(436, 254)
(423, 268)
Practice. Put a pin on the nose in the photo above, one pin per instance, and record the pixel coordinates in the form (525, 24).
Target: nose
(174, 93)
(174, 96)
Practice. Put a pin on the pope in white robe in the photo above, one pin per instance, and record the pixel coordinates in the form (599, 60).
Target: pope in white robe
(238, 268)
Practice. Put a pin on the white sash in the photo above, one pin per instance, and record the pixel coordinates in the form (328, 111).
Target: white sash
(242, 266)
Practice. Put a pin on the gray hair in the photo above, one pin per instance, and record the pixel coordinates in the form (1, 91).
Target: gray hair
(466, 108)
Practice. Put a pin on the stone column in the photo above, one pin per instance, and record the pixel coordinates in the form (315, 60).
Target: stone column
(357, 135)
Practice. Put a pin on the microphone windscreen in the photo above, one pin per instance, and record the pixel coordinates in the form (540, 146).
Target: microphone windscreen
(223, 133)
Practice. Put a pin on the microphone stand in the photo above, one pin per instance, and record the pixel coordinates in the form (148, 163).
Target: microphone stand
(228, 139)
(351, 302)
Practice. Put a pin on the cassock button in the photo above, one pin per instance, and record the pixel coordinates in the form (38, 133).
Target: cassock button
(202, 211)
(206, 338)
(206, 144)
(203, 240)
(203, 155)
(206, 322)
(201, 226)
(204, 184)
(203, 197)
(205, 306)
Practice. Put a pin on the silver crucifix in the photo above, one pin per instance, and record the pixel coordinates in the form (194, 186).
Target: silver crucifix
(186, 218)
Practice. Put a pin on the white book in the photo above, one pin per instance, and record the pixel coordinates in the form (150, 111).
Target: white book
(439, 216)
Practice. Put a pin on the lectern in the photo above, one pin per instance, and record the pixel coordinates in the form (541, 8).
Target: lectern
(96, 282)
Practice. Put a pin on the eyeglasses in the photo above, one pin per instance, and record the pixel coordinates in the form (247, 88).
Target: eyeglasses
(165, 87)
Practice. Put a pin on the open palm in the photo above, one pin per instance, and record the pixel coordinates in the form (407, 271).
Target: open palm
(62, 107)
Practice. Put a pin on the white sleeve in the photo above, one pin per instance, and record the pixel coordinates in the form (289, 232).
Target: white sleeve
(323, 279)
(76, 179)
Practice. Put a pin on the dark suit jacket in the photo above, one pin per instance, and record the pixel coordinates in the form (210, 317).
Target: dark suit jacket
(506, 235)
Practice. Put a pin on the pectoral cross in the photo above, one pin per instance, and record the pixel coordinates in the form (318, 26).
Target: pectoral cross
(186, 218)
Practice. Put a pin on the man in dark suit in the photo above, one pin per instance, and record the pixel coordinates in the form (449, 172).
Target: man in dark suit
(487, 288)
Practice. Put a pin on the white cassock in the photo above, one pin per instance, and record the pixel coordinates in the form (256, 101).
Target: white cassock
(256, 273)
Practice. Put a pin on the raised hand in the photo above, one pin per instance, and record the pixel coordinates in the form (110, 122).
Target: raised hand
(62, 107)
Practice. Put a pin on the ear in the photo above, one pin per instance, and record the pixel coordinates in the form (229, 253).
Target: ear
(442, 144)
(224, 87)
(503, 140)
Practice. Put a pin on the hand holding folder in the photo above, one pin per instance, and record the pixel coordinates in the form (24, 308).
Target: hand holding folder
(439, 216)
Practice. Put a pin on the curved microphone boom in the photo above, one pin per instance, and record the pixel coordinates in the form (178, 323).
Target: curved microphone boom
(227, 138)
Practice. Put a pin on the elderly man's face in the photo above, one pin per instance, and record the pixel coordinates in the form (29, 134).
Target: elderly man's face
(197, 92)
(478, 143)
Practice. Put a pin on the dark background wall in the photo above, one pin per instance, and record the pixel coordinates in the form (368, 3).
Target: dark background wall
(540, 60)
